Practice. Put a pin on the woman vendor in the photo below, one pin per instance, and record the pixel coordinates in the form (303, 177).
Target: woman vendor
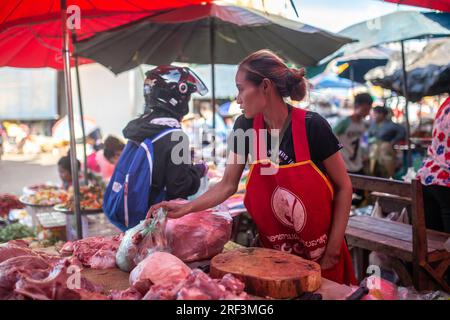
(300, 203)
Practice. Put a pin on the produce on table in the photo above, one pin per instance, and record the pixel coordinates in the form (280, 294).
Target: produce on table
(45, 197)
(15, 231)
(42, 187)
(91, 198)
(7, 203)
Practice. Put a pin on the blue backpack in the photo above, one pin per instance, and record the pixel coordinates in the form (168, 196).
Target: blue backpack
(126, 199)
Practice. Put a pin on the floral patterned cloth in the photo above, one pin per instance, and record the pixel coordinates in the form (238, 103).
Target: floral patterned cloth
(436, 167)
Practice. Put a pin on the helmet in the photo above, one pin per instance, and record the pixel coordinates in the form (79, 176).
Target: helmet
(169, 88)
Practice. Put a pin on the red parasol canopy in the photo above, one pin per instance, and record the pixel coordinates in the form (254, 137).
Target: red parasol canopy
(30, 30)
(441, 5)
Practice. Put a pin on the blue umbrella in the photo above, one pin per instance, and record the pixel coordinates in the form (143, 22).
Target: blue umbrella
(230, 108)
(331, 80)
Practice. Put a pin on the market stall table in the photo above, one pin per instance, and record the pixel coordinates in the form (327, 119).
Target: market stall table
(116, 279)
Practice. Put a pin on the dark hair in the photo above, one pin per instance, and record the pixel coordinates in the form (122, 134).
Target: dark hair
(64, 162)
(381, 109)
(261, 64)
(363, 98)
(111, 146)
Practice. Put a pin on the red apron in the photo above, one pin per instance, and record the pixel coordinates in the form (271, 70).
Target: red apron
(293, 207)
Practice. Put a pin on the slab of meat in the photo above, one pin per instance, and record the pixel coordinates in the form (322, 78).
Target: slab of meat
(199, 286)
(193, 237)
(163, 292)
(232, 284)
(14, 269)
(129, 294)
(57, 286)
(13, 249)
(199, 235)
(94, 252)
(160, 268)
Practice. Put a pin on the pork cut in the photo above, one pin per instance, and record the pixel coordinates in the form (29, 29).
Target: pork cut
(93, 252)
(199, 286)
(160, 268)
(199, 235)
(13, 249)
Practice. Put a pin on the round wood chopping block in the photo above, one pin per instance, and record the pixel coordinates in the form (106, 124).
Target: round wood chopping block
(268, 272)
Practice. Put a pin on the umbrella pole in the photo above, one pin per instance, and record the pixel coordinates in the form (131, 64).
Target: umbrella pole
(405, 94)
(73, 152)
(213, 82)
(80, 102)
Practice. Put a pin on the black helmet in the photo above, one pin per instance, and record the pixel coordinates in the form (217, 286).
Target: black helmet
(169, 88)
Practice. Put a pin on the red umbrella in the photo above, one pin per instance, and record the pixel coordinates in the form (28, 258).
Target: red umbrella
(30, 30)
(35, 34)
(441, 5)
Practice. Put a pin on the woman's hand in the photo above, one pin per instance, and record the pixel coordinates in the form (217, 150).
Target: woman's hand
(330, 259)
(174, 209)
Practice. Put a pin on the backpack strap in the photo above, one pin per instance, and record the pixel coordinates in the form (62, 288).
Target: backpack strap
(147, 145)
(164, 133)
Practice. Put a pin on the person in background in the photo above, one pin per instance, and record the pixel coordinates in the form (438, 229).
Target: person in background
(167, 91)
(350, 131)
(65, 171)
(383, 135)
(435, 173)
(108, 157)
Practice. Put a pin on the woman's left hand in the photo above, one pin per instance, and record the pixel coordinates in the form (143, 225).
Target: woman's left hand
(330, 259)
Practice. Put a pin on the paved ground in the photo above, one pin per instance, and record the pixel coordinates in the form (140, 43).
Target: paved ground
(17, 171)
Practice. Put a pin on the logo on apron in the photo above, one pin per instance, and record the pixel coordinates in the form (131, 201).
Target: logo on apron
(288, 209)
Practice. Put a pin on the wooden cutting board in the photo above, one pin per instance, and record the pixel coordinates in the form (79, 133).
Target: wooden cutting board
(268, 272)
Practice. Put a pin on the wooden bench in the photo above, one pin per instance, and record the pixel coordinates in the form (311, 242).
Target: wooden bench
(414, 244)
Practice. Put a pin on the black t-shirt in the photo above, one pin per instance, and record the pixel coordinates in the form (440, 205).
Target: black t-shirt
(321, 140)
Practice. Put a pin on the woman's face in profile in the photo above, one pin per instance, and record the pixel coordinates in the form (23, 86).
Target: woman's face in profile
(250, 96)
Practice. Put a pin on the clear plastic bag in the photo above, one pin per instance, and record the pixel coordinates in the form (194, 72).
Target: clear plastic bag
(147, 236)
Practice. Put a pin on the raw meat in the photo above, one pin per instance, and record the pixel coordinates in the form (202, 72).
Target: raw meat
(163, 292)
(129, 294)
(232, 284)
(13, 269)
(165, 277)
(13, 249)
(196, 236)
(160, 268)
(199, 235)
(199, 286)
(56, 286)
(94, 252)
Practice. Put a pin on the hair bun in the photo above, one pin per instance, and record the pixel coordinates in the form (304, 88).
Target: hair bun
(296, 83)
